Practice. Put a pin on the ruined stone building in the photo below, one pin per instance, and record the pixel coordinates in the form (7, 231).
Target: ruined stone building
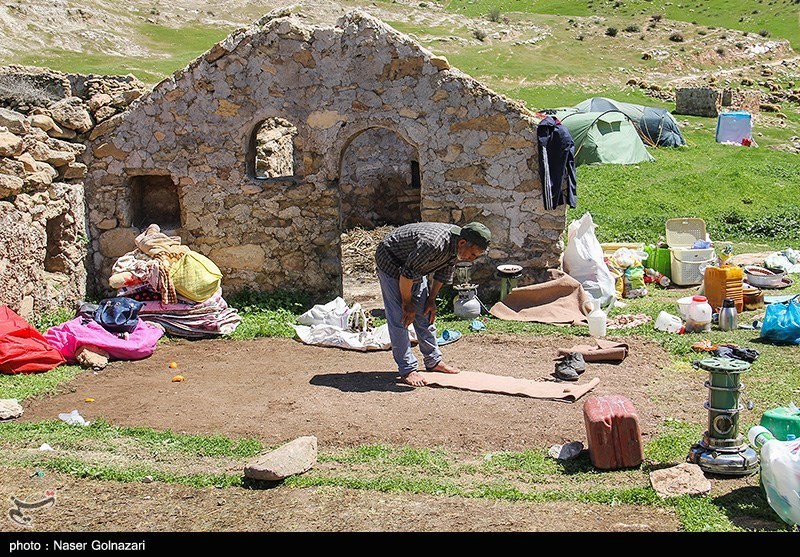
(263, 150)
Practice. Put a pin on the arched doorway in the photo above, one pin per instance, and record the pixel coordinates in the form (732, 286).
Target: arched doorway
(379, 188)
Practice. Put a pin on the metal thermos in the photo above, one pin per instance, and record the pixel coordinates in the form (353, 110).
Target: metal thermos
(728, 317)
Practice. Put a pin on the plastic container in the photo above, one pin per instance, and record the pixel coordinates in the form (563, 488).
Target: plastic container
(597, 322)
(687, 264)
(780, 472)
(782, 421)
(724, 282)
(613, 432)
(669, 323)
(660, 260)
(728, 316)
(683, 306)
(698, 316)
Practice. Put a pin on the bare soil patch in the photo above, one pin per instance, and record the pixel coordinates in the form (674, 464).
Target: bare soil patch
(278, 389)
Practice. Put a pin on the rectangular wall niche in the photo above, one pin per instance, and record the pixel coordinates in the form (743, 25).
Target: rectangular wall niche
(55, 261)
(154, 200)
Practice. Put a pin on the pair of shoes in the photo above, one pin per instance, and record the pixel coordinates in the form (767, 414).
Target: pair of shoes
(570, 366)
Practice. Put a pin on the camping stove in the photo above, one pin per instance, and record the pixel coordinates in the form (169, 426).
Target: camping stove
(466, 305)
(509, 277)
(722, 449)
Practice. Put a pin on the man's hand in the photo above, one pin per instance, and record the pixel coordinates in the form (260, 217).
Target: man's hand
(430, 309)
(408, 314)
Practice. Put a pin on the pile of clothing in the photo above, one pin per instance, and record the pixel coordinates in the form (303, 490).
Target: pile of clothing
(180, 288)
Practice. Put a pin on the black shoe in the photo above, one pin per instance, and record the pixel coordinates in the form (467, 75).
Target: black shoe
(577, 362)
(565, 371)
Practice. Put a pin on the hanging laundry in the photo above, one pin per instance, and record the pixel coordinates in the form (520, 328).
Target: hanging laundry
(557, 164)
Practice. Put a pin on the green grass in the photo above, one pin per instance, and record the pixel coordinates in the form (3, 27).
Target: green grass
(390, 469)
(22, 386)
(172, 49)
(780, 17)
(61, 435)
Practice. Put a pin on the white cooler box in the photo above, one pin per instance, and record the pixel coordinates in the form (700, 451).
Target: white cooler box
(688, 265)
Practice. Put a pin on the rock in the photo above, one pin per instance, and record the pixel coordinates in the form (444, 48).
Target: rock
(73, 170)
(62, 133)
(117, 242)
(104, 113)
(147, 479)
(43, 122)
(14, 167)
(248, 256)
(71, 114)
(9, 409)
(683, 479)
(10, 185)
(295, 457)
(98, 100)
(60, 158)
(11, 145)
(92, 357)
(28, 162)
(440, 63)
(14, 121)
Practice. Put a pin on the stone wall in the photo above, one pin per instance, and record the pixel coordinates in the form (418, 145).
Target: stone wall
(709, 101)
(698, 101)
(380, 181)
(43, 234)
(477, 152)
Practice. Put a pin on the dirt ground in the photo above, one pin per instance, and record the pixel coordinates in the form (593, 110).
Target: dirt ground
(279, 389)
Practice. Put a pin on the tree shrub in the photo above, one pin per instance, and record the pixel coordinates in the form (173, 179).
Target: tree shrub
(611, 31)
(676, 38)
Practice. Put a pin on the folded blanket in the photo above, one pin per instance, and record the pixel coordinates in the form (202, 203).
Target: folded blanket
(603, 351)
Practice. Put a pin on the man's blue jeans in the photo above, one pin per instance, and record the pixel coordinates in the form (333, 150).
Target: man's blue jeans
(426, 332)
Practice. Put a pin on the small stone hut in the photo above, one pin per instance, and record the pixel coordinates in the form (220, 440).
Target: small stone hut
(262, 150)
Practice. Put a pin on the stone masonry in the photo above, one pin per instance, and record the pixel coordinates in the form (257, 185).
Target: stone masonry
(195, 132)
(43, 235)
(709, 101)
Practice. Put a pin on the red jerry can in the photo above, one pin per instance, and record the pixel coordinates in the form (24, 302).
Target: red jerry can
(612, 428)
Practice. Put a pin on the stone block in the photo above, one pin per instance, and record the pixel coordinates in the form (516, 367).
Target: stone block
(295, 457)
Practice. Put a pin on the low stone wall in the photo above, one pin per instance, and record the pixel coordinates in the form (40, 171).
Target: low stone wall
(698, 101)
(43, 235)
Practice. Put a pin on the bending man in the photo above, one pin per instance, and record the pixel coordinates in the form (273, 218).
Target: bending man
(405, 258)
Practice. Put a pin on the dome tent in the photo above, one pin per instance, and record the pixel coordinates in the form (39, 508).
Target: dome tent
(603, 137)
(656, 126)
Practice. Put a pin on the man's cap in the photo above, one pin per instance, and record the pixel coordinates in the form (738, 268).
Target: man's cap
(475, 233)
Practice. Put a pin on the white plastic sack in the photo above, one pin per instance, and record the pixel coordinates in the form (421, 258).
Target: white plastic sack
(330, 335)
(583, 261)
(333, 313)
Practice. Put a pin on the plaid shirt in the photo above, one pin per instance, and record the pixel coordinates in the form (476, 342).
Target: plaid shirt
(418, 249)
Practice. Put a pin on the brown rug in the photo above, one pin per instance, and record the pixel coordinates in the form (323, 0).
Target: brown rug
(489, 383)
(558, 301)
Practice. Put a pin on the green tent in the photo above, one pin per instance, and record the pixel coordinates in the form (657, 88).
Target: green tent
(604, 137)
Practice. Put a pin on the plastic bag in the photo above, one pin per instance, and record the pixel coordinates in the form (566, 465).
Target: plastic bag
(634, 282)
(583, 261)
(782, 322)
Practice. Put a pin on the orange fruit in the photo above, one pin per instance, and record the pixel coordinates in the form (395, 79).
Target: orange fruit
(173, 365)
(90, 399)
(178, 378)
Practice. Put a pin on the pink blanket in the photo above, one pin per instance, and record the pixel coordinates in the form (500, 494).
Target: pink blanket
(68, 337)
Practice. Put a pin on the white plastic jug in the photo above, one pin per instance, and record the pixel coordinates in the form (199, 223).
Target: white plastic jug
(597, 321)
(698, 316)
(780, 472)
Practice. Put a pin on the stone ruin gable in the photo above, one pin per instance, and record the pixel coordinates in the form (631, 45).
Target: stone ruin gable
(476, 152)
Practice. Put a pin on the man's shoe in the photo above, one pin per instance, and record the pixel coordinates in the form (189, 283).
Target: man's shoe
(577, 362)
(565, 371)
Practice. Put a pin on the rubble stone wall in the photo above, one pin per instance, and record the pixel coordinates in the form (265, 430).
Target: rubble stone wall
(698, 101)
(43, 233)
(477, 152)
